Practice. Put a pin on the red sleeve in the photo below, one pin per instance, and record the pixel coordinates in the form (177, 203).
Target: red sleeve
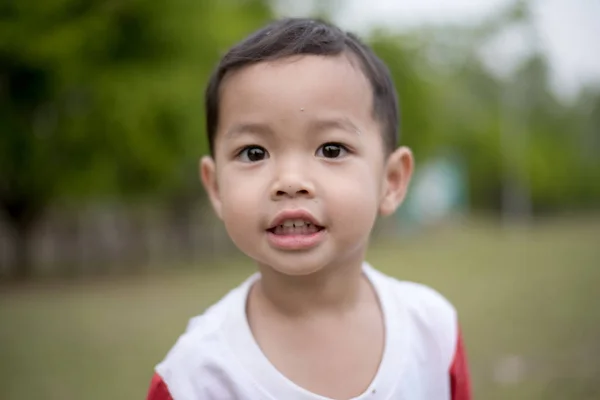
(158, 389)
(460, 381)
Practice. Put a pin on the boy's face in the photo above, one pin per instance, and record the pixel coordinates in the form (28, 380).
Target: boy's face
(299, 172)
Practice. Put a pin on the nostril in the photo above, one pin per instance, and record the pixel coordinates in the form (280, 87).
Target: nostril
(291, 193)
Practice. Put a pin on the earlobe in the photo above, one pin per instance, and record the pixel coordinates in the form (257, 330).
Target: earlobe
(397, 174)
(208, 175)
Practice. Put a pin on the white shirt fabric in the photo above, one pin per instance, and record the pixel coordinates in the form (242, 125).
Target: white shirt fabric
(217, 358)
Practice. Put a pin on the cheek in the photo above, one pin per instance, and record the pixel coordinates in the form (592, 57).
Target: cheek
(241, 202)
(240, 194)
(353, 200)
(244, 197)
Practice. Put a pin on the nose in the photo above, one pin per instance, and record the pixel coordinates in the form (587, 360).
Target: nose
(292, 181)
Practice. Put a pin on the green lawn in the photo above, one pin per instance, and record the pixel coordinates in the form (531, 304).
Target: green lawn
(528, 301)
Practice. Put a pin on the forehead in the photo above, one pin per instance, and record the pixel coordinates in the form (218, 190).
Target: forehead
(295, 89)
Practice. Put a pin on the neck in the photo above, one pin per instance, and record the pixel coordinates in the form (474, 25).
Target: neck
(333, 289)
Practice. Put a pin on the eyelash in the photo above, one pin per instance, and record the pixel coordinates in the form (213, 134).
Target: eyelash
(243, 151)
(240, 154)
(343, 149)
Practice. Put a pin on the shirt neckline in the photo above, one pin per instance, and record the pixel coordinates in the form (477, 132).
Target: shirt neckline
(269, 380)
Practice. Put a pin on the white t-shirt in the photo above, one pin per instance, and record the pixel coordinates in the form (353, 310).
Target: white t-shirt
(218, 358)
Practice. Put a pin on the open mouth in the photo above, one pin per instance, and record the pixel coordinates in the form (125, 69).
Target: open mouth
(293, 227)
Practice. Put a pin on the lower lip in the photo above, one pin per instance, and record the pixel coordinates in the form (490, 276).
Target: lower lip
(296, 242)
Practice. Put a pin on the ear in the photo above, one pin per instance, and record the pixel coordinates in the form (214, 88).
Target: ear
(397, 174)
(208, 175)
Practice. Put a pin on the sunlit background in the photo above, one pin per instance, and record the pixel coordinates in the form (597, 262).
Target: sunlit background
(108, 245)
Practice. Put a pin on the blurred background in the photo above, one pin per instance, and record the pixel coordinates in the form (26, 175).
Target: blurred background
(108, 245)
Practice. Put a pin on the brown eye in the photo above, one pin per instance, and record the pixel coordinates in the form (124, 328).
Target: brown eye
(253, 154)
(331, 150)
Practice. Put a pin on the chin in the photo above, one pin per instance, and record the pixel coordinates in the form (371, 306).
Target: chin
(293, 265)
(296, 271)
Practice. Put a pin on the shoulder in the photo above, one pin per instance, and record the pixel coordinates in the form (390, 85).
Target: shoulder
(429, 315)
(200, 348)
(197, 341)
(420, 300)
(424, 302)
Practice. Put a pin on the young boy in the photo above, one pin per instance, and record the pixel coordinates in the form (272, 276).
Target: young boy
(302, 123)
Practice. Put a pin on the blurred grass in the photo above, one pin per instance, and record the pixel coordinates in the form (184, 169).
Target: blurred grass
(524, 294)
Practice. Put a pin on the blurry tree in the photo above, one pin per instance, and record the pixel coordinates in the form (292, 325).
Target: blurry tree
(104, 98)
(511, 130)
(524, 146)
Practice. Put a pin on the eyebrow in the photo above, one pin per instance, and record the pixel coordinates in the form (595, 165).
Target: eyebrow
(317, 125)
(256, 128)
(343, 123)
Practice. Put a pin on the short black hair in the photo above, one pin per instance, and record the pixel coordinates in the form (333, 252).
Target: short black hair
(305, 36)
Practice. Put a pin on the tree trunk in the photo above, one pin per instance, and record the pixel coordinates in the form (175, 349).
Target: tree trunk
(22, 256)
(22, 214)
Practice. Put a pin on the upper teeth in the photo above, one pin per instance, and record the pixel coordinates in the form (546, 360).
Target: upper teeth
(294, 223)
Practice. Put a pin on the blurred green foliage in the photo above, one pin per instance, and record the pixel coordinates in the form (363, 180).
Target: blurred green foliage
(99, 99)
(107, 96)
(104, 100)
(511, 127)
